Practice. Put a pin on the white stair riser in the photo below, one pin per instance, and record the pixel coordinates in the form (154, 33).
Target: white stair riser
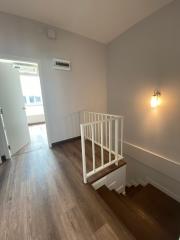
(115, 180)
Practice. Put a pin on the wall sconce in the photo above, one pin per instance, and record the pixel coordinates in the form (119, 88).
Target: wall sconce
(155, 99)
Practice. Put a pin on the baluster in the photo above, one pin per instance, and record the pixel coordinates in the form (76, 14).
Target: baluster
(116, 137)
(122, 128)
(86, 127)
(93, 147)
(106, 129)
(90, 133)
(89, 128)
(95, 126)
(110, 138)
(99, 134)
(83, 154)
(84, 120)
(102, 150)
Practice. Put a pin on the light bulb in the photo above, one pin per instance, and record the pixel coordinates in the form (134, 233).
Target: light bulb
(155, 99)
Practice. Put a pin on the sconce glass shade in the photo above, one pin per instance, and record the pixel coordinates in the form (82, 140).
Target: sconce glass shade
(155, 99)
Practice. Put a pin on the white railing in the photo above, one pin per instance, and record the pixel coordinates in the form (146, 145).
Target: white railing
(106, 131)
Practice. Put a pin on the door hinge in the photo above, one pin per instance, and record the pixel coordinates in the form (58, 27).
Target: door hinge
(1, 110)
(9, 147)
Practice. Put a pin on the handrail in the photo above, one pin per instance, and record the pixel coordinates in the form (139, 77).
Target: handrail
(105, 114)
(96, 122)
(102, 130)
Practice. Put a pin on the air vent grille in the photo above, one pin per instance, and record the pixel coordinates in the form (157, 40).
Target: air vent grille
(61, 64)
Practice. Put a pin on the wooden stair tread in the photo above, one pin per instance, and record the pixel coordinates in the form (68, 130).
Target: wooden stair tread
(161, 207)
(129, 189)
(142, 226)
(128, 201)
(152, 193)
(105, 171)
(132, 191)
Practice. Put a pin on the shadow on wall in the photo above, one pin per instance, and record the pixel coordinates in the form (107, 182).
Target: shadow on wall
(72, 125)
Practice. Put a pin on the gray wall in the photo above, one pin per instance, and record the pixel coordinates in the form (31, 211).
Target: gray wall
(65, 92)
(142, 59)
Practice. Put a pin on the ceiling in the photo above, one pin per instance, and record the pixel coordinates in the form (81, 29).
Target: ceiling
(101, 20)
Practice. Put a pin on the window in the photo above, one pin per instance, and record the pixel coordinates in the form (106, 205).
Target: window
(38, 99)
(32, 100)
(31, 90)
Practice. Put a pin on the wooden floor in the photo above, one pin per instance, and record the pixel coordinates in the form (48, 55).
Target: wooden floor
(146, 211)
(42, 196)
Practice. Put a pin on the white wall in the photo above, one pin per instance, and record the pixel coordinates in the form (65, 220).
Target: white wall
(65, 93)
(142, 59)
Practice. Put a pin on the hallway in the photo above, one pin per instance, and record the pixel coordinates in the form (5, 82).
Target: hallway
(42, 196)
(38, 138)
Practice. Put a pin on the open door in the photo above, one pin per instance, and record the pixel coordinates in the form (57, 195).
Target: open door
(12, 104)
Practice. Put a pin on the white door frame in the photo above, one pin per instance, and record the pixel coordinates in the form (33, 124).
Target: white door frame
(37, 61)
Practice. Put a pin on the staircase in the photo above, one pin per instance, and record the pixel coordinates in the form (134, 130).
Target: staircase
(148, 213)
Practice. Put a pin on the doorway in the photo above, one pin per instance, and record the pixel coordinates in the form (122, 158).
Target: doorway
(22, 103)
(33, 103)
(31, 90)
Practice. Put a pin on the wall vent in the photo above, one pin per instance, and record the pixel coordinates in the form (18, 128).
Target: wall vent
(61, 64)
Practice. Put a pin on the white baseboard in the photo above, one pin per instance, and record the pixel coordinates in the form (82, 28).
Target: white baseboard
(142, 182)
(137, 182)
(134, 183)
(113, 180)
(164, 189)
(157, 185)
